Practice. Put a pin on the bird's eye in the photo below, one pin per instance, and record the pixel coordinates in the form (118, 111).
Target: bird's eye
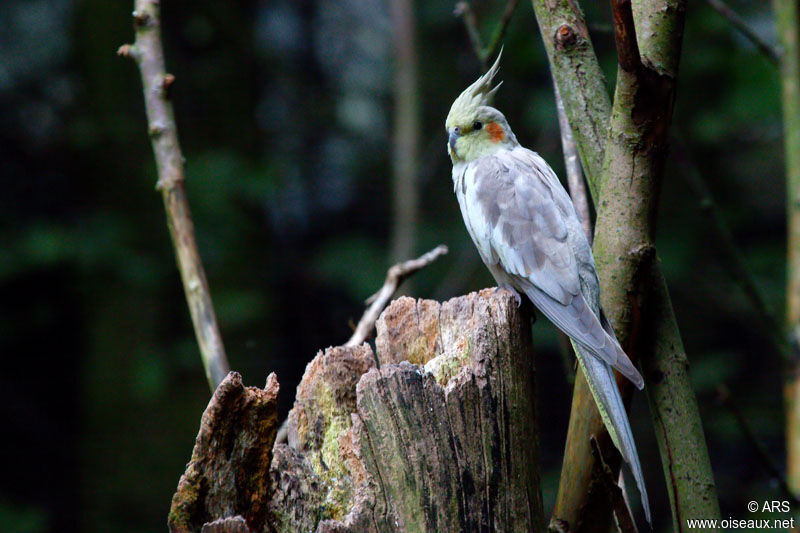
(477, 125)
(457, 130)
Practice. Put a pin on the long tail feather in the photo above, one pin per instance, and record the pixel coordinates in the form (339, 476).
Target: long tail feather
(600, 378)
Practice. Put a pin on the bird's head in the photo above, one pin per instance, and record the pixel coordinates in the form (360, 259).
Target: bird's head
(474, 127)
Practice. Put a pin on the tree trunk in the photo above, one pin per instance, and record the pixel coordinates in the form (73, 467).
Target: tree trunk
(787, 18)
(629, 140)
(405, 139)
(580, 82)
(435, 433)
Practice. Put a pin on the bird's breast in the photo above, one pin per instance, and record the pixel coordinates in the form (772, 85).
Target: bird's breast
(474, 218)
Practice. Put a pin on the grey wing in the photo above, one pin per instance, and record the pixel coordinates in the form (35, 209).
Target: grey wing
(524, 223)
(529, 226)
(579, 322)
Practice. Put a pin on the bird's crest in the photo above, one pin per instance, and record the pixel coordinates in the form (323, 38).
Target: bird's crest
(479, 94)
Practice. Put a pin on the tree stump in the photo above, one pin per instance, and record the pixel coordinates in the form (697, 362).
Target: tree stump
(227, 475)
(434, 432)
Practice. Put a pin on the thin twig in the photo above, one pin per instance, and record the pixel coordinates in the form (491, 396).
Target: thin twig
(148, 53)
(614, 491)
(771, 52)
(500, 30)
(734, 259)
(580, 198)
(767, 460)
(406, 128)
(484, 53)
(464, 11)
(376, 303)
(394, 278)
(572, 163)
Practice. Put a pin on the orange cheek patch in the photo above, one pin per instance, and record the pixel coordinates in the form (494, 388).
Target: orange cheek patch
(496, 133)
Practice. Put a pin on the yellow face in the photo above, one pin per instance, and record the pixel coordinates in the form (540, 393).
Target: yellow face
(474, 128)
(476, 138)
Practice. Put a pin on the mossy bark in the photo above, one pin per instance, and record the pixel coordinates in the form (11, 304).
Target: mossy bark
(580, 81)
(635, 296)
(676, 420)
(446, 443)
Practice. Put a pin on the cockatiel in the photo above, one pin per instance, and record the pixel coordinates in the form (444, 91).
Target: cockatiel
(529, 236)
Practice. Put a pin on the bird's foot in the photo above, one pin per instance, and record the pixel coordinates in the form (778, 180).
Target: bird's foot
(512, 290)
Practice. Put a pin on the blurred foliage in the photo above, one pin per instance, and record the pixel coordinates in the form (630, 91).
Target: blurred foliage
(284, 110)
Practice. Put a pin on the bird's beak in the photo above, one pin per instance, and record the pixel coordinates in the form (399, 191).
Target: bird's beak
(452, 140)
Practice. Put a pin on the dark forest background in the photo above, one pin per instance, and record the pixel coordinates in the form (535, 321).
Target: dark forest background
(285, 115)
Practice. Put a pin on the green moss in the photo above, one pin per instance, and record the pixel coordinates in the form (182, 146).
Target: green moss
(447, 365)
(326, 462)
(418, 351)
(180, 512)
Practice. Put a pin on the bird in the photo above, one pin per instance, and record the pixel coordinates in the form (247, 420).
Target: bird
(528, 234)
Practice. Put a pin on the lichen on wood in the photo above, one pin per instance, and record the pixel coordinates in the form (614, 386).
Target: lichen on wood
(326, 397)
(411, 449)
(447, 444)
(455, 451)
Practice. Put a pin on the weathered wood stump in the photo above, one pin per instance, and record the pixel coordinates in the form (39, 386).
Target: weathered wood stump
(227, 475)
(434, 432)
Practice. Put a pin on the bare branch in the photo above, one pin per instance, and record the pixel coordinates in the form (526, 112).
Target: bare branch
(624, 251)
(635, 152)
(614, 491)
(572, 163)
(625, 36)
(394, 278)
(771, 53)
(580, 199)
(500, 30)
(464, 11)
(484, 53)
(148, 53)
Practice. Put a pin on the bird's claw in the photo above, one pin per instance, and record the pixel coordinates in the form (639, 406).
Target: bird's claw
(512, 290)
